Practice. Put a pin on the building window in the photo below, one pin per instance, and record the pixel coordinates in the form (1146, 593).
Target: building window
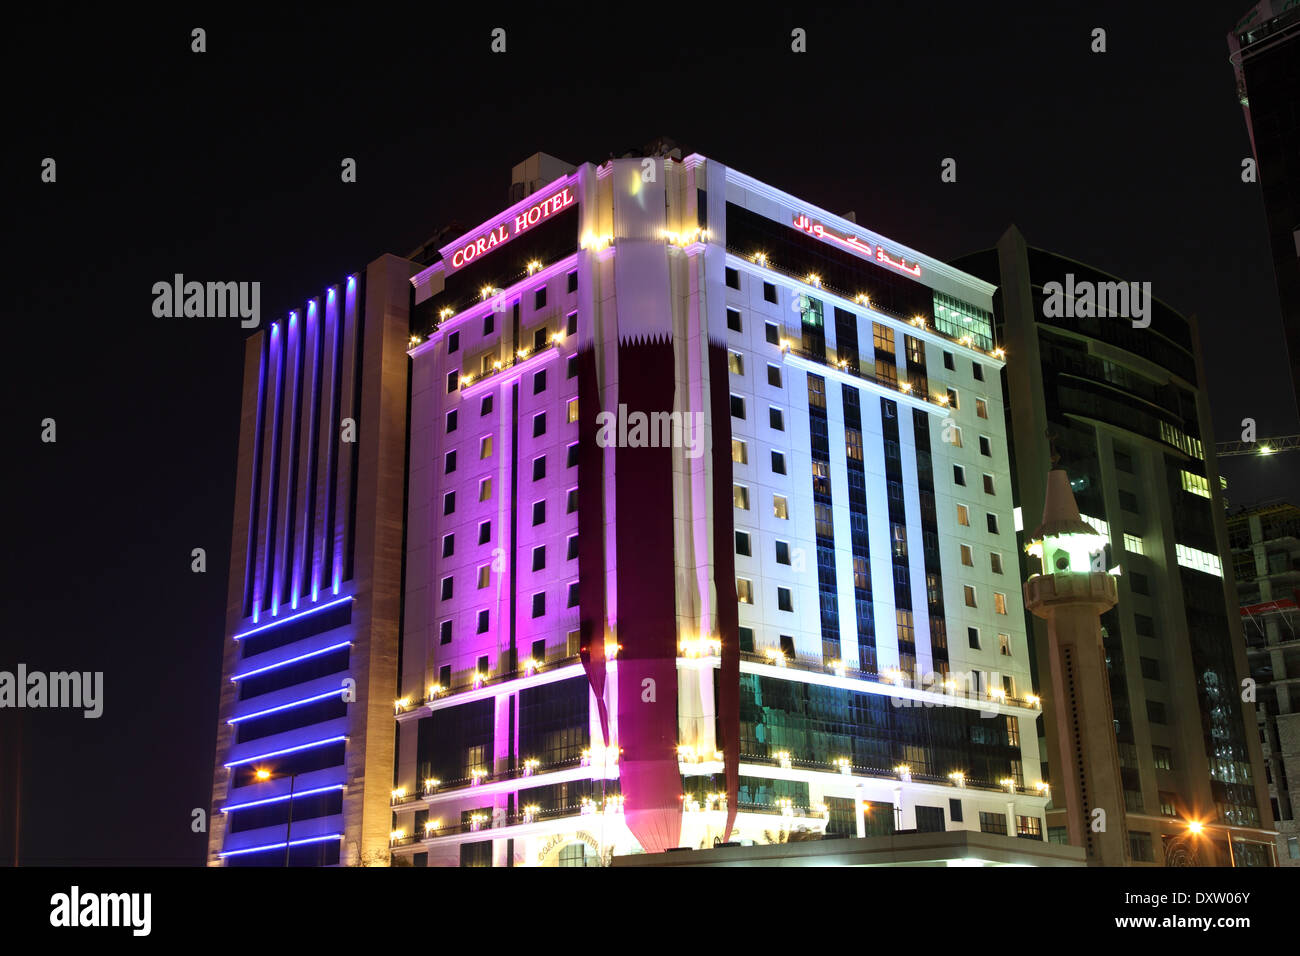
(572, 553)
(967, 557)
(450, 464)
(572, 282)
(448, 545)
(539, 604)
(973, 637)
(993, 822)
(740, 497)
(988, 485)
(947, 362)
(977, 370)
(981, 408)
(733, 320)
(444, 634)
(744, 591)
(539, 298)
(539, 512)
(1132, 543)
(733, 278)
(1150, 668)
(539, 468)
(571, 456)
(572, 410)
(781, 507)
(742, 543)
(782, 552)
(447, 585)
(773, 332)
(1128, 502)
(482, 622)
(1168, 803)
(735, 363)
(991, 520)
(963, 516)
(995, 562)
(970, 595)
(571, 600)
(539, 424)
(1163, 758)
(784, 599)
(453, 381)
(1139, 847)
(737, 407)
(769, 292)
(953, 399)
(571, 367)
(449, 502)
(485, 406)
(778, 463)
(955, 434)
(539, 382)
(484, 532)
(452, 418)
(1030, 828)
(739, 452)
(986, 448)
(774, 376)
(539, 557)
(484, 489)
(999, 602)
(1139, 583)
(959, 475)
(485, 447)
(1004, 645)
(484, 575)
(1155, 712)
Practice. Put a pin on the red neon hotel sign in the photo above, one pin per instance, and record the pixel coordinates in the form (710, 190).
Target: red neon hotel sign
(509, 228)
(864, 249)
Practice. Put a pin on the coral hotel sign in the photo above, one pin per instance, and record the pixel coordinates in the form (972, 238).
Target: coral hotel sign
(509, 227)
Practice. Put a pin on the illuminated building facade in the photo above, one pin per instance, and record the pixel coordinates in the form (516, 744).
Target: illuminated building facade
(1127, 410)
(709, 532)
(314, 606)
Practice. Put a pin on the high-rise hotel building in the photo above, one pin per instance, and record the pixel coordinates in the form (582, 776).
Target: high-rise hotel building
(709, 532)
(677, 512)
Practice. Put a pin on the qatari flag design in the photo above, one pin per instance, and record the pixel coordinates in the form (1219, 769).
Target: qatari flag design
(647, 619)
(591, 536)
(724, 580)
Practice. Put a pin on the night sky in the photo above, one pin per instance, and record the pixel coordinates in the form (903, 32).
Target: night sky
(225, 166)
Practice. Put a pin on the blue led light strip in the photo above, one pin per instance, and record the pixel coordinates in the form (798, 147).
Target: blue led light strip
(288, 750)
(276, 846)
(292, 660)
(292, 617)
(296, 703)
(300, 793)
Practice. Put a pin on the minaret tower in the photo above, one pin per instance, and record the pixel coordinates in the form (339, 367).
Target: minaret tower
(1071, 595)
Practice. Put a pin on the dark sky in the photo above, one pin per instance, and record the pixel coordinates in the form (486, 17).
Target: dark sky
(225, 166)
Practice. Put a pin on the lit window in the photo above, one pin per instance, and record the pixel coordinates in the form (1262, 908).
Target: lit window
(739, 452)
(1004, 645)
(999, 602)
(970, 595)
(1198, 560)
(1133, 543)
(736, 363)
(966, 556)
(963, 516)
(740, 497)
(573, 410)
(995, 562)
(1195, 484)
(484, 575)
(485, 447)
(781, 507)
(484, 489)
(745, 591)
(981, 408)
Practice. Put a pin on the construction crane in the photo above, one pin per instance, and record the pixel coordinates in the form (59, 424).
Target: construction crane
(1264, 446)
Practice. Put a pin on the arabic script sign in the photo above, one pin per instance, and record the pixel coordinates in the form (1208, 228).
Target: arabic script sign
(864, 249)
